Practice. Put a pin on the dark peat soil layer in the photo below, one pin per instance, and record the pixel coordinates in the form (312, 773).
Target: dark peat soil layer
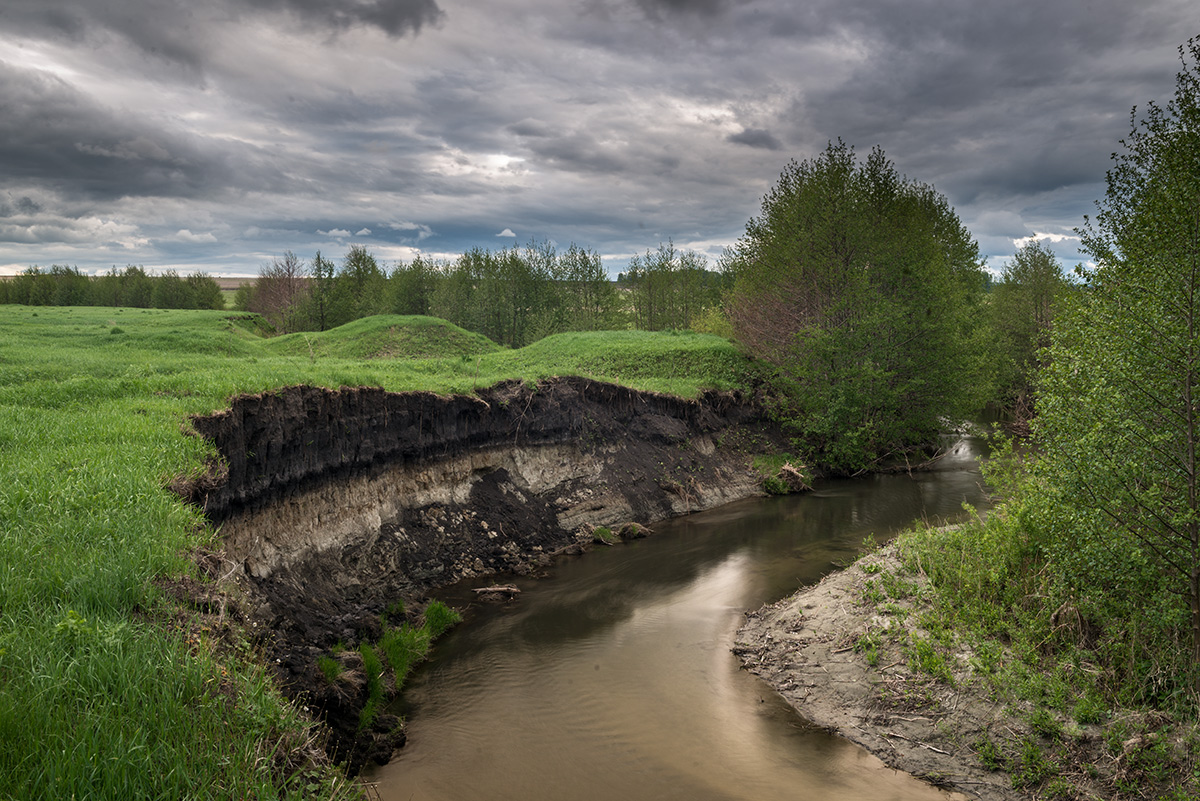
(337, 506)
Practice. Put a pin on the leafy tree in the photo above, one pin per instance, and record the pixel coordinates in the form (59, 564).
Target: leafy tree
(669, 288)
(321, 275)
(243, 296)
(172, 292)
(862, 288)
(1119, 413)
(206, 291)
(588, 299)
(25, 287)
(358, 289)
(71, 287)
(137, 287)
(410, 286)
(1023, 305)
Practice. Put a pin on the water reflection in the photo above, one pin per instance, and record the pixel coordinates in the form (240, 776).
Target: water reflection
(613, 677)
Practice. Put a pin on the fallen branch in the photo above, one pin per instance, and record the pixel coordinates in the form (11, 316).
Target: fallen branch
(506, 589)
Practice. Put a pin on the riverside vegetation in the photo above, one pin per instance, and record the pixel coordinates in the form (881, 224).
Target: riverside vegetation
(1076, 604)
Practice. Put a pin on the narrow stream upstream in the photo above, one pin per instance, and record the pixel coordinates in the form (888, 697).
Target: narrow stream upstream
(613, 677)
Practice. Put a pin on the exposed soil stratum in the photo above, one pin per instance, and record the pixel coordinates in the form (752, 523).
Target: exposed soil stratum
(335, 504)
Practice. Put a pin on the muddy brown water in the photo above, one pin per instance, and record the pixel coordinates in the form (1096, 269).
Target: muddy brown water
(613, 677)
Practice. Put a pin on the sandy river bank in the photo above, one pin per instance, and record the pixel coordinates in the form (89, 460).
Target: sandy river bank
(825, 650)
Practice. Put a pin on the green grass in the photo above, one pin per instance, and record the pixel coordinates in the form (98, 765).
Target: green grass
(102, 693)
(386, 337)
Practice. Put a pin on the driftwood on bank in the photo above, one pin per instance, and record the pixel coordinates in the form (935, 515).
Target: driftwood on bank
(506, 589)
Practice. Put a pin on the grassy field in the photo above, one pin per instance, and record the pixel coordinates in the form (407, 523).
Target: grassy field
(105, 691)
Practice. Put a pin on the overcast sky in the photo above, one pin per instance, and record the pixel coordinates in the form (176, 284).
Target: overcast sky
(215, 135)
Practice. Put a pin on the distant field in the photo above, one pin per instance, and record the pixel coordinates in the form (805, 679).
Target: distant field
(106, 690)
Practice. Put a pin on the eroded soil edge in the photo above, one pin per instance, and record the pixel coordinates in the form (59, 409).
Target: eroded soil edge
(335, 505)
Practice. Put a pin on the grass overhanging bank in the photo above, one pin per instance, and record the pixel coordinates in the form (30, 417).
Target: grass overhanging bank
(110, 687)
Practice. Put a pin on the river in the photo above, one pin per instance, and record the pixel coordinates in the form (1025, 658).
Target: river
(612, 677)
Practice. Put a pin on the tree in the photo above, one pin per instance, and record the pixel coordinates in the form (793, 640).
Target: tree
(411, 286)
(589, 301)
(669, 288)
(172, 292)
(206, 291)
(1023, 305)
(137, 287)
(71, 287)
(1119, 414)
(358, 288)
(320, 297)
(279, 292)
(862, 288)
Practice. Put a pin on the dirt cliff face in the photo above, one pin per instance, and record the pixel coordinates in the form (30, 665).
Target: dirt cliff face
(334, 505)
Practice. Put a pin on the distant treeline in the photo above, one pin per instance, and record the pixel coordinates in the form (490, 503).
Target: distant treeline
(513, 296)
(132, 286)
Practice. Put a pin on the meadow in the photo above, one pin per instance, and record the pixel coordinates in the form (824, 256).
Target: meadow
(106, 690)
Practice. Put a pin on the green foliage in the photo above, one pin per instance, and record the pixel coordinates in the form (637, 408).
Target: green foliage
(1090, 709)
(330, 668)
(781, 474)
(172, 292)
(925, 657)
(1023, 305)
(604, 535)
(439, 618)
(516, 296)
(1118, 504)
(1031, 766)
(990, 755)
(404, 646)
(1044, 724)
(206, 291)
(868, 645)
(862, 288)
(671, 288)
(373, 668)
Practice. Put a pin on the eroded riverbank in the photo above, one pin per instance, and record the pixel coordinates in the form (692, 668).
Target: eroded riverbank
(339, 507)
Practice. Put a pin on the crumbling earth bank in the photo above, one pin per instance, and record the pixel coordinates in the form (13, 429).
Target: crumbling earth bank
(335, 504)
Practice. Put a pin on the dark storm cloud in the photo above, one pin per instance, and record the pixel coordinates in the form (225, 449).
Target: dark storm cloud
(756, 137)
(1044, 87)
(253, 125)
(53, 136)
(661, 8)
(181, 30)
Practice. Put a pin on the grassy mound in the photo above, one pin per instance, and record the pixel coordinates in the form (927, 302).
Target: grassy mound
(109, 689)
(386, 337)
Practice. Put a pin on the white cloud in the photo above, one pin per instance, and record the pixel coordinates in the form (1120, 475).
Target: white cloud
(1044, 237)
(335, 233)
(422, 231)
(363, 232)
(507, 232)
(185, 235)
